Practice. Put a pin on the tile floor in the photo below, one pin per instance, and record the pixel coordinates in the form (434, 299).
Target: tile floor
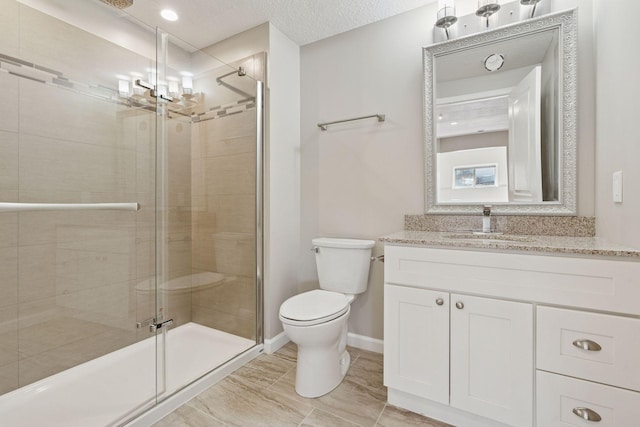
(262, 394)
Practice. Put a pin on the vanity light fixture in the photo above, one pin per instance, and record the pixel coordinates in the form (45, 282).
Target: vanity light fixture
(486, 8)
(533, 3)
(446, 16)
(494, 62)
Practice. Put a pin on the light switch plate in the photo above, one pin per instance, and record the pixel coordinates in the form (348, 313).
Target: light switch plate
(617, 187)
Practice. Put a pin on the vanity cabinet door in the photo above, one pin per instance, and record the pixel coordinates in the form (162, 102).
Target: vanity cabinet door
(492, 358)
(416, 342)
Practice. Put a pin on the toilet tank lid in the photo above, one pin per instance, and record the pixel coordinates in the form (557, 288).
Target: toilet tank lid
(330, 242)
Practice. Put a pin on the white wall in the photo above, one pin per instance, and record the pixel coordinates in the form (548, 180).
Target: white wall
(282, 189)
(359, 179)
(618, 139)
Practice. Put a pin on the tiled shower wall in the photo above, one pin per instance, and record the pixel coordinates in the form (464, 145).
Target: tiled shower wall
(74, 284)
(69, 280)
(223, 170)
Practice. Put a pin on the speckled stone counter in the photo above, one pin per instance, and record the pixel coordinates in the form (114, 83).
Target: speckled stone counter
(508, 242)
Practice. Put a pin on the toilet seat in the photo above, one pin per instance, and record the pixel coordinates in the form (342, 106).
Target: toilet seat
(314, 307)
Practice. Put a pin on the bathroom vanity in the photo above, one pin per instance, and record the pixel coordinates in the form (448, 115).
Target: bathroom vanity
(512, 330)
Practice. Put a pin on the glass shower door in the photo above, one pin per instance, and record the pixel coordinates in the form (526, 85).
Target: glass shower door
(77, 217)
(208, 210)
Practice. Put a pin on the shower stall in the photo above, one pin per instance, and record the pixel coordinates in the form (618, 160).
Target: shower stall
(130, 214)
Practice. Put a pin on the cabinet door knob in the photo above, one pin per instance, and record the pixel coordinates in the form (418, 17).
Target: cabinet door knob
(459, 305)
(439, 301)
(587, 414)
(587, 345)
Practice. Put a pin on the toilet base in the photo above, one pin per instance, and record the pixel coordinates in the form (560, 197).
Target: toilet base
(312, 382)
(323, 360)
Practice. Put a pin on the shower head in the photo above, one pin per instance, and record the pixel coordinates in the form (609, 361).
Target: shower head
(120, 4)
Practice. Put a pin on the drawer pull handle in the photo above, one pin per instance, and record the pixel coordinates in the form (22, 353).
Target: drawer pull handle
(587, 414)
(587, 345)
(439, 301)
(459, 305)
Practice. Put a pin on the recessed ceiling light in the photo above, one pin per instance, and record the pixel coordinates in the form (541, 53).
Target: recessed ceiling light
(169, 15)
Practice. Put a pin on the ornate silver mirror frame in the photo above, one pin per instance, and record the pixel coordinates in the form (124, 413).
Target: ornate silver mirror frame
(566, 23)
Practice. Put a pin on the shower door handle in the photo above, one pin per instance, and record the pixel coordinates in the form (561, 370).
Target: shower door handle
(156, 326)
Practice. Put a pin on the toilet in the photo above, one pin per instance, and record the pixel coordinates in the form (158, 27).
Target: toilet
(317, 320)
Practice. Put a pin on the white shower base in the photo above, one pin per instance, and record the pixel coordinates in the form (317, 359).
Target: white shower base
(113, 388)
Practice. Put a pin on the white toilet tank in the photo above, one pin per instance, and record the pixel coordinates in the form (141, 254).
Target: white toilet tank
(343, 264)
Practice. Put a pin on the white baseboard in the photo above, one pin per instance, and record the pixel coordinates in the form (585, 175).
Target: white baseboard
(271, 345)
(365, 343)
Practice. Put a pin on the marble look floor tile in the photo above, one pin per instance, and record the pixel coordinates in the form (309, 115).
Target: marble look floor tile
(187, 416)
(319, 418)
(237, 402)
(367, 372)
(288, 351)
(271, 364)
(396, 417)
(258, 377)
(349, 400)
(353, 402)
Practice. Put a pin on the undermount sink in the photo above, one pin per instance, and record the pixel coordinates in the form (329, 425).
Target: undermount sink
(488, 237)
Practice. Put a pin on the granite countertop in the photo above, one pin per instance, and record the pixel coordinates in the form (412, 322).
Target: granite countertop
(511, 242)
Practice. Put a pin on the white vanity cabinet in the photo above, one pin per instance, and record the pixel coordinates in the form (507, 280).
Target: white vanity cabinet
(472, 353)
(472, 336)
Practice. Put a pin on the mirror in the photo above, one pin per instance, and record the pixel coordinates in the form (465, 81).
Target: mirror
(500, 119)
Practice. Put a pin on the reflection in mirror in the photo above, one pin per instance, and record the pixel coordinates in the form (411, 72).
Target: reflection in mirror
(501, 129)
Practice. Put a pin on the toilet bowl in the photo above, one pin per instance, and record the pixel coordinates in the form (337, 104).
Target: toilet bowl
(317, 320)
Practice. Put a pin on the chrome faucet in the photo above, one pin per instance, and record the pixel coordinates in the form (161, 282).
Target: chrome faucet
(486, 219)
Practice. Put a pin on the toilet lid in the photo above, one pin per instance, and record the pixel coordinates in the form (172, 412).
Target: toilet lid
(314, 306)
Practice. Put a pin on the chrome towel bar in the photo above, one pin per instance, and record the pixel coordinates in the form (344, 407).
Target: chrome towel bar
(29, 207)
(323, 126)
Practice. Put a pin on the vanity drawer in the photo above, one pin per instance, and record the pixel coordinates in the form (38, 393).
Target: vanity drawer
(611, 352)
(558, 396)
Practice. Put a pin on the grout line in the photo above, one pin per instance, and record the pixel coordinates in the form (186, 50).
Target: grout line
(307, 416)
(200, 410)
(381, 412)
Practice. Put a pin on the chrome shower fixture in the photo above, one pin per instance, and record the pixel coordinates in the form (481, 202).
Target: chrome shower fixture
(120, 4)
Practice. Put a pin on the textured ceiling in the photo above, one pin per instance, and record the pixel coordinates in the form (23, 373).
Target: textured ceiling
(204, 22)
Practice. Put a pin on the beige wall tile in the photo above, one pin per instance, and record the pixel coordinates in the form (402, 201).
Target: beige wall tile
(37, 272)
(9, 113)
(8, 335)
(8, 165)
(236, 125)
(52, 112)
(109, 305)
(233, 212)
(9, 377)
(236, 325)
(78, 54)
(8, 229)
(236, 295)
(54, 165)
(228, 146)
(37, 228)
(234, 254)
(233, 174)
(8, 277)
(9, 28)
